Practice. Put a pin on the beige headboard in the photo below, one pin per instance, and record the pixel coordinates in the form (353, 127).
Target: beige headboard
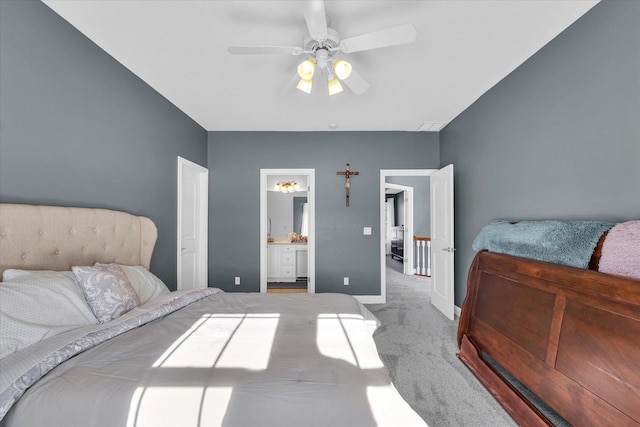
(56, 238)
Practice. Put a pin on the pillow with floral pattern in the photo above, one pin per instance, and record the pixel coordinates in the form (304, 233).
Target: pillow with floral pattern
(107, 290)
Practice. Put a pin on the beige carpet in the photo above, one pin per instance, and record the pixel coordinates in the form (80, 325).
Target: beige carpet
(418, 345)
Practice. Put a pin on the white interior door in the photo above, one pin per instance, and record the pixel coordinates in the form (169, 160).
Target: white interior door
(442, 240)
(193, 183)
(407, 249)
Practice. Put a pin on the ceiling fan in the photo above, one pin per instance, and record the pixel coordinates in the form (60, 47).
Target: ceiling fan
(323, 45)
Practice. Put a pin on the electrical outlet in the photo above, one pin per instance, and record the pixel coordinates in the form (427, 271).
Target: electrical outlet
(346, 281)
(367, 231)
(237, 280)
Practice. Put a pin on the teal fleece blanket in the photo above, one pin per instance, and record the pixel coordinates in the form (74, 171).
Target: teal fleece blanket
(560, 242)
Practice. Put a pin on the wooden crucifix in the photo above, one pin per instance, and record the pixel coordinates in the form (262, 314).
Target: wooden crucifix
(347, 177)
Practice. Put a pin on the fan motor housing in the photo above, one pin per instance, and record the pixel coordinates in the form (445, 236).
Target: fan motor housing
(332, 42)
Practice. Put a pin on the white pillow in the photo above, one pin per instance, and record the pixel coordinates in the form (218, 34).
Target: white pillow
(38, 305)
(145, 283)
(15, 275)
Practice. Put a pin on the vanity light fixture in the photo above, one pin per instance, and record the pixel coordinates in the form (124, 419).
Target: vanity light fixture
(287, 186)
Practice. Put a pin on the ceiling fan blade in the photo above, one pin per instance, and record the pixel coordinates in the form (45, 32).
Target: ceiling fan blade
(392, 36)
(316, 19)
(356, 83)
(264, 50)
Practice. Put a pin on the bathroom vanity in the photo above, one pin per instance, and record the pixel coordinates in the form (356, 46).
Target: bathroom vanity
(286, 261)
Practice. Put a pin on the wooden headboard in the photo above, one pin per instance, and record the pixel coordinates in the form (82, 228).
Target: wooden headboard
(56, 238)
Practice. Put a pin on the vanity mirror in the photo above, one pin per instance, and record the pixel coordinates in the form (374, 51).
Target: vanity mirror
(287, 208)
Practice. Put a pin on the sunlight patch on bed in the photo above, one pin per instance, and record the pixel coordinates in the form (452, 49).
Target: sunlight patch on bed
(156, 406)
(214, 405)
(224, 341)
(251, 343)
(342, 336)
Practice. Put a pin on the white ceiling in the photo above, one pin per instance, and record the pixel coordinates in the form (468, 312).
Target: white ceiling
(179, 48)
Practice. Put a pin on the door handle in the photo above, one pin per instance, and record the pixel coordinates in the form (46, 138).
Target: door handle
(449, 249)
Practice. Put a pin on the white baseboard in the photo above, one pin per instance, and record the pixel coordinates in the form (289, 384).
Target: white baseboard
(457, 310)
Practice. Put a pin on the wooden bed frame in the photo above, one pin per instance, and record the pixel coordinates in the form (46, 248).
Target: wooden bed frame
(571, 336)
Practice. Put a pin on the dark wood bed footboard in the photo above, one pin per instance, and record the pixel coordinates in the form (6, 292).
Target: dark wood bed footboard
(571, 336)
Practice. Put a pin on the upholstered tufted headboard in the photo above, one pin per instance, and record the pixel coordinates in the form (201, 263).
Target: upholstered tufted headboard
(56, 238)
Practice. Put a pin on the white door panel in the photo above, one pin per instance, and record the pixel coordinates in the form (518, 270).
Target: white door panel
(189, 269)
(192, 225)
(442, 295)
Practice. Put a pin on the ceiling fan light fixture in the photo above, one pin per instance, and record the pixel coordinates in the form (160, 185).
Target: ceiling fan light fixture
(305, 85)
(334, 86)
(306, 69)
(342, 69)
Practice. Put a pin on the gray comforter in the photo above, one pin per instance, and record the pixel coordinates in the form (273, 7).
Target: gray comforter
(228, 359)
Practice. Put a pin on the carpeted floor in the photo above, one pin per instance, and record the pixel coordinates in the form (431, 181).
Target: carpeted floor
(418, 345)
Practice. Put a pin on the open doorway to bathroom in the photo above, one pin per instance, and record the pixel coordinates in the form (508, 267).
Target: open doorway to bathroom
(287, 230)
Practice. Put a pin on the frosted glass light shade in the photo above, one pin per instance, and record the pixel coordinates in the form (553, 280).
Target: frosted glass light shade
(342, 69)
(306, 69)
(334, 86)
(305, 85)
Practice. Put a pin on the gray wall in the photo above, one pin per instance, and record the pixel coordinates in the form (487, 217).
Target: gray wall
(235, 160)
(78, 129)
(559, 138)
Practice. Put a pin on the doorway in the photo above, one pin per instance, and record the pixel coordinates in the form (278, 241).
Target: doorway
(399, 226)
(192, 225)
(287, 230)
(441, 228)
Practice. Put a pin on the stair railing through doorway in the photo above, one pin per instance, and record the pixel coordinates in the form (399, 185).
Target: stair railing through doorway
(423, 256)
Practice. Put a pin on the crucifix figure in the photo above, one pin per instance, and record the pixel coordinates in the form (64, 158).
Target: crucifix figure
(347, 177)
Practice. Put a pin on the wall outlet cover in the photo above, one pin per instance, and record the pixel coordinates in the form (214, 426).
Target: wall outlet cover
(367, 231)
(237, 280)
(346, 281)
